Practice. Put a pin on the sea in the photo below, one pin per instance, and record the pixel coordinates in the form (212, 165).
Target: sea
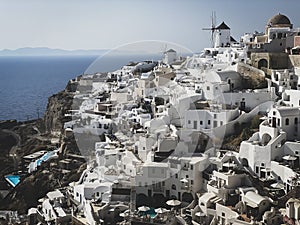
(26, 82)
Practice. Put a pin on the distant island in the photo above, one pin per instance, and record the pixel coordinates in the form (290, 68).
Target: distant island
(40, 51)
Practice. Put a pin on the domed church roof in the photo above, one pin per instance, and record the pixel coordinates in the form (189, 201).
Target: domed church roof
(279, 20)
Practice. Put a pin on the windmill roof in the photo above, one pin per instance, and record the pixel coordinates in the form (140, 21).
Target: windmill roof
(171, 50)
(223, 26)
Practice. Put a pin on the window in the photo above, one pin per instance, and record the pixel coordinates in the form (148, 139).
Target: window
(192, 182)
(208, 88)
(176, 175)
(208, 122)
(274, 113)
(192, 167)
(189, 122)
(221, 123)
(201, 122)
(262, 164)
(215, 116)
(256, 169)
(223, 214)
(163, 183)
(278, 122)
(287, 121)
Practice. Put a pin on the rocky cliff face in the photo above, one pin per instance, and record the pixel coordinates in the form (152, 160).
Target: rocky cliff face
(58, 105)
(22, 138)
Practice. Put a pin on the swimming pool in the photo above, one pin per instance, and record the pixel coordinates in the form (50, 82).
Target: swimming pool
(151, 212)
(13, 180)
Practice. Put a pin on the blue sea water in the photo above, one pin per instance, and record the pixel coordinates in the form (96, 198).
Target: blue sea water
(26, 82)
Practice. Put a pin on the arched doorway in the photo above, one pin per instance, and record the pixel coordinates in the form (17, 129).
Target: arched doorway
(245, 162)
(142, 199)
(262, 63)
(159, 200)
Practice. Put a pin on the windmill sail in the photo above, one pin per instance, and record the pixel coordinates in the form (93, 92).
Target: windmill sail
(213, 27)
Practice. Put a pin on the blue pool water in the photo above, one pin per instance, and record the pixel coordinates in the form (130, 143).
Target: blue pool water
(13, 180)
(150, 212)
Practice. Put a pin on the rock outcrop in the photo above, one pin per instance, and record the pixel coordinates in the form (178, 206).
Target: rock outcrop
(58, 105)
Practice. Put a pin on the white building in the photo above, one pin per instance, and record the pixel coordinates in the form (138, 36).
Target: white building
(215, 116)
(286, 119)
(263, 147)
(284, 79)
(52, 208)
(291, 98)
(170, 56)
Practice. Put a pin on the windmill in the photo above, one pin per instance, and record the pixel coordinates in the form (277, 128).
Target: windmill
(213, 27)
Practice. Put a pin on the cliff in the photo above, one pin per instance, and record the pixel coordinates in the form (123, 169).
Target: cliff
(23, 138)
(58, 105)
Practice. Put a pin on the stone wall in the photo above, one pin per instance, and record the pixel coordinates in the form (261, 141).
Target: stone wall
(274, 60)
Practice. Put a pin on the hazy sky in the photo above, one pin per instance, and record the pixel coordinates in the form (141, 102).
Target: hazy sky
(105, 24)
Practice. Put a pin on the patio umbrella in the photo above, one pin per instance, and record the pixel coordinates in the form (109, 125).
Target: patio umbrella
(173, 202)
(184, 180)
(161, 210)
(289, 158)
(277, 185)
(143, 208)
(199, 214)
(229, 165)
(124, 214)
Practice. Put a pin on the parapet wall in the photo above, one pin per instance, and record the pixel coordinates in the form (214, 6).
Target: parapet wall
(294, 60)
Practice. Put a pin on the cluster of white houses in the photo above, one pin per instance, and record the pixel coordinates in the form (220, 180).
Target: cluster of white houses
(162, 125)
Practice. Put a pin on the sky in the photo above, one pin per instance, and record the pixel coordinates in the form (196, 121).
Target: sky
(107, 24)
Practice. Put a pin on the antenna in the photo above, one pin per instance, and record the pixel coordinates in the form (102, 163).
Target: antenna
(213, 27)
